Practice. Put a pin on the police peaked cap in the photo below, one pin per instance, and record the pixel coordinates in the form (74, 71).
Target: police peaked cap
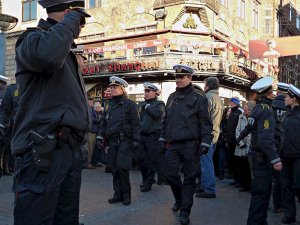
(117, 81)
(295, 92)
(262, 85)
(182, 69)
(61, 5)
(283, 87)
(278, 102)
(148, 85)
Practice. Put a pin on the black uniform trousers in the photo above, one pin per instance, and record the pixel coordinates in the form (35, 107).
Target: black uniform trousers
(119, 160)
(47, 198)
(183, 153)
(260, 191)
(150, 156)
(290, 180)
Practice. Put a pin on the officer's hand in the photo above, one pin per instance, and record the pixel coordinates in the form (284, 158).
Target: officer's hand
(277, 166)
(203, 150)
(135, 145)
(100, 141)
(162, 142)
(238, 141)
(2, 131)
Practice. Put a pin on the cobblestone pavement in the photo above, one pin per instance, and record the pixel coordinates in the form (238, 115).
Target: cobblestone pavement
(151, 208)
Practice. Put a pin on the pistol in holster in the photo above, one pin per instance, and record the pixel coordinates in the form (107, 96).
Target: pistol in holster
(42, 150)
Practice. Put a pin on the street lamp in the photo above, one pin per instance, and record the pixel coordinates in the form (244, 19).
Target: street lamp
(6, 23)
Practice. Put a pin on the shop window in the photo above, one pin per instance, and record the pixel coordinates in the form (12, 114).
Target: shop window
(29, 10)
(145, 51)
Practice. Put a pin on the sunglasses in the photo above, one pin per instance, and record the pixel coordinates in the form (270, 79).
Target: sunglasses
(148, 90)
(179, 76)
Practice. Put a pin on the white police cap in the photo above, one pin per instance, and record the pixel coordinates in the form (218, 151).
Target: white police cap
(148, 85)
(182, 69)
(61, 5)
(295, 92)
(262, 84)
(4, 79)
(283, 87)
(117, 81)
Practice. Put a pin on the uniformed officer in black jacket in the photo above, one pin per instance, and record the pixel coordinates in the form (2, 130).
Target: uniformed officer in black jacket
(186, 131)
(120, 127)
(8, 109)
(150, 153)
(52, 118)
(3, 138)
(290, 175)
(263, 151)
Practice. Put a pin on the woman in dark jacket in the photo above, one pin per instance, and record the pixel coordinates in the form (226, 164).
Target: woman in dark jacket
(290, 175)
(120, 127)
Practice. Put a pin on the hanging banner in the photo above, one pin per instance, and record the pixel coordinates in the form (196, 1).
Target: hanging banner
(151, 43)
(274, 48)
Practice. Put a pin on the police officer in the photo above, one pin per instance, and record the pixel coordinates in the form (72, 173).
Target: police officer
(150, 153)
(120, 127)
(8, 109)
(186, 131)
(263, 151)
(3, 138)
(290, 175)
(52, 118)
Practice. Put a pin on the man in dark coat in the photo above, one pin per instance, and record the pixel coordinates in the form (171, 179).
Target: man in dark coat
(150, 152)
(8, 109)
(52, 118)
(186, 133)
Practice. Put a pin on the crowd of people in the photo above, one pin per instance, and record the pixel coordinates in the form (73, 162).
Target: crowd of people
(191, 138)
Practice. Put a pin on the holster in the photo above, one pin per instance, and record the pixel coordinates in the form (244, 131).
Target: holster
(42, 150)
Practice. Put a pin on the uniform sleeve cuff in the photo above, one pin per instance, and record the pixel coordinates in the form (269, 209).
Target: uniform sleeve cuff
(275, 161)
(1, 125)
(205, 145)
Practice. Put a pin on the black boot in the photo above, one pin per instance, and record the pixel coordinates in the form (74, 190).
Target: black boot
(116, 198)
(176, 207)
(184, 218)
(126, 199)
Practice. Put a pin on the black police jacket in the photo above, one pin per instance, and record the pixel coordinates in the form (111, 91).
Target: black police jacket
(186, 117)
(151, 113)
(9, 105)
(120, 116)
(50, 85)
(291, 125)
(262, 126)
(232, 123)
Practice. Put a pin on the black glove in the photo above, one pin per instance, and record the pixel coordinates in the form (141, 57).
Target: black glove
(135, 145)
(203, 150)
(82, 19)
(100, 141)
(237, 141)
(162, 142)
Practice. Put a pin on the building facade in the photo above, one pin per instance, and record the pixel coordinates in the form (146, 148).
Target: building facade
(141, 40)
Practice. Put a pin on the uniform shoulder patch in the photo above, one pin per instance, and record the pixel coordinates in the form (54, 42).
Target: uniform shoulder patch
(266, 124)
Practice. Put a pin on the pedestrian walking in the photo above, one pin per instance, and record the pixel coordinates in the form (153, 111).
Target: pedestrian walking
(120, 127)
(215, 110)
(186, 134)
(150, 153)
(52, 118)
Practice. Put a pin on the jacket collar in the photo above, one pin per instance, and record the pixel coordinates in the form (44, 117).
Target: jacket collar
(214, 91)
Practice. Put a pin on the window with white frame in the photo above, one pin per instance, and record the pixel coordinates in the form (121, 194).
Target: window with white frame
(241, 8)
(298, 22)
(291, 11)
(268, 22)
(255, 10)
(224, 3)
(90, 4)
(29, 10)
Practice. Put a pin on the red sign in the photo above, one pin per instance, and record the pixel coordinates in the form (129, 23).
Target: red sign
(120, 67)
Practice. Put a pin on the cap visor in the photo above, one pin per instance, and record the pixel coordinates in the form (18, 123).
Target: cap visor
(84, 12)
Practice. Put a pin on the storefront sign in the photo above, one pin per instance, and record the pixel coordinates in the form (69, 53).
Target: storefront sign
(120, 67)
(243, 72)
(203, 65)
